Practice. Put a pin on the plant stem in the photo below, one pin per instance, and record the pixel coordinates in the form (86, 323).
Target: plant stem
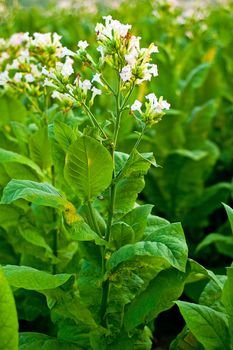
(94, 120)
(93, 219)
(55, 231)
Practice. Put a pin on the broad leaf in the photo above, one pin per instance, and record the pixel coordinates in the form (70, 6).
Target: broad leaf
(40, 149)
(88, 168)
(29, 278)
(35, 192)
(64, 135)
(229, 211)
(209, 326)
(121, 234)
(12, 157)
(158, 297)
(8, 317)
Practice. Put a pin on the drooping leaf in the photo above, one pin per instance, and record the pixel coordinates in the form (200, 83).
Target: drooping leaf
(185, 341)
(8, 317)
(224, 244)
(35, 192)
(12, 157)
(158, 297)
(88, 168)
(209, 326)
(29, 278)
(212, 294)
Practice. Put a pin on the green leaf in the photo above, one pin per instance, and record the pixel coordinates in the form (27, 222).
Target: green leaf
(212, 294)
(169, 255)
(64, 135)
(8, 317)
(198, 272)
(209, 326)
(121, 234)
(40, 149)
(135, 164)
(158, 297)
(9, 215)
(172, 237)
(33, 235)
(82, 232)
(29, 278)
(88, 168)
(224, 244)
(12, 157)
(35, 192)
(39, 341)
(196, 77)
(229, 211)
(11, 109)
(227, 299)
(137, 219)
(185, 341)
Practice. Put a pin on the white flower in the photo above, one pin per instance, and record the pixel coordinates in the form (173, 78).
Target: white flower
(24, 53)
(83, 44)
(157, 105)
(112, 28)
(18, 77)
(100, 49)
(152, 98)
(67, 67)
(41, 39)
(126, 73)
(96, 78)
(152, 69)
(131, 58)
(95, 92)
(86, 85)
(4, 77)
(18, 38)
(136, 106)
(29, 78)
(65, 52)
(56, 94)
(47, 82)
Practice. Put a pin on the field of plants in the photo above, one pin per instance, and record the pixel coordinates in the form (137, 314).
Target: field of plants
(116, 175)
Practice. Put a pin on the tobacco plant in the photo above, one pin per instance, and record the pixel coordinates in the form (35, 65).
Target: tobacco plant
(81, 253)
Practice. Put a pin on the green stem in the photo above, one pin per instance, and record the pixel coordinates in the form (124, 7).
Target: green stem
(93, 219)
(94, 120)
(55, 231)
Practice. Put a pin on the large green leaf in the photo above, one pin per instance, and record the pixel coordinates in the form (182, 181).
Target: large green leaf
(35, 192)
(88, 168)
(227, 298)
(121, 234)
(169, 254)
(29, 278)
(8, 317)
(9, 215)
(209, 326)
(39, 341)
(158, 297)
(12, 157)
(172, 236)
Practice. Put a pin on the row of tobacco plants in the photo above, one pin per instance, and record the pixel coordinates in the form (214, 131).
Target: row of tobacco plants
(89, 264)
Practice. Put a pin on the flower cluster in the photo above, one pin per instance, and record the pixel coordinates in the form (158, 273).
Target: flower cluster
(40, 65)
(121, 49)
(153, 111)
